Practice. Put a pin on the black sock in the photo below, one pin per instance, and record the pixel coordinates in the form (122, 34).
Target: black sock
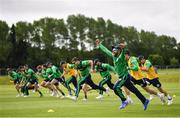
(62, 93)
(85, 96)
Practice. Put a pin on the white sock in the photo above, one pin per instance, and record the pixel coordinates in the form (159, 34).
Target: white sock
(159, 94)
(128, 97)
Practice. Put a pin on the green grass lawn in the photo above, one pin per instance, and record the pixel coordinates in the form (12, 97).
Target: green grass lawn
(33, 106)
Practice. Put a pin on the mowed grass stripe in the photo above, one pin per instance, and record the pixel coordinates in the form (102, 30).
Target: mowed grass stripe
(35, 106)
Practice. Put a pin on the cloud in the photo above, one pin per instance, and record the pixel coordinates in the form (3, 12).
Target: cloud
(160, 16)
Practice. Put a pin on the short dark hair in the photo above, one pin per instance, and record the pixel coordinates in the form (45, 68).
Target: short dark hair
(140, 57)
(8, 69)
(63, 62)
(26, 65)
(44, 65)
(116, 47)
(48, 63)
(75, 59)
(96, 60)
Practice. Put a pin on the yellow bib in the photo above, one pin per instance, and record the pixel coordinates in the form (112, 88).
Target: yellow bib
(138, 75)
(71, 72)
(151, 73)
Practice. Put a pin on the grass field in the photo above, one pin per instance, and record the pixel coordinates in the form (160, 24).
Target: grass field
(33, 106)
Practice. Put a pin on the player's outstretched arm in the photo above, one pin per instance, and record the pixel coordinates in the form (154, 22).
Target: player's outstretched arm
(104, 49)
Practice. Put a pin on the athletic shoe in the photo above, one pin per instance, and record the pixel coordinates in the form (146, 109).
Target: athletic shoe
(84, 99)
(146, 104)
(26, 96)
(62, 97)
(18, 95)
(22, 94)
(74, 98)
(124, 104)
(170, 101)
(69, 96)
(151, 97)
(99, 97)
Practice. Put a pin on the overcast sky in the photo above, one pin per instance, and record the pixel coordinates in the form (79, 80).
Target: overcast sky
(160, 16)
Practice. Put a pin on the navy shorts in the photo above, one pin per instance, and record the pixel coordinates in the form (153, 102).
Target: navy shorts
(61, 80)
(17, 81)
(140, 82)
(155, 82)
(46, 80)
(33, 81)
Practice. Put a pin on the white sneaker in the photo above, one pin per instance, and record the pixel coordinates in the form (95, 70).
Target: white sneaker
(62, 97)
(99, 97)
(18, 95)
(69, 96)
(151, 97)
(26, 96)
(130, 101)
(107, 91)
(84, 99)
(170, 101)
(74, 98)
(161, 96)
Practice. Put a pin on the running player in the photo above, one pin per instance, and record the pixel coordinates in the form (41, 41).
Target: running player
(85, 67)
(15, 77)
(137, 76)
(42, 72)
(153, 78)
(120, 65)
(32, 79)
(104, 69)
(67, 69)
(56, 77)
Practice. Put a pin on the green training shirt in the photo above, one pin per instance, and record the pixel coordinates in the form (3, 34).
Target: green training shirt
(104, 69)
(14, 75)
(31, 74)
(56, 72)
(44, 74)
(120, 64)
(49, 73)
(83, 67)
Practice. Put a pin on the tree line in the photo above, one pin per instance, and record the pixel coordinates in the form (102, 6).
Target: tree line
(51, 39)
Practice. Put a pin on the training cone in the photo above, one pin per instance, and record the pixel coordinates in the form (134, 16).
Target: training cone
(51, 110)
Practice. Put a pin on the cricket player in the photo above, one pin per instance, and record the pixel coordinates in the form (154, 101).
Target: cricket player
(104, 69)
(15, 77)
(153, 78)
(120, 66)
(32, 79)
(137, 76)
(55, 76)
(85, 67)
(67, 69)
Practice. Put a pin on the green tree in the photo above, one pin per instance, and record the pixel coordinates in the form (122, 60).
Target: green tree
(174, 61)
(5, 45)
(156, 59)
